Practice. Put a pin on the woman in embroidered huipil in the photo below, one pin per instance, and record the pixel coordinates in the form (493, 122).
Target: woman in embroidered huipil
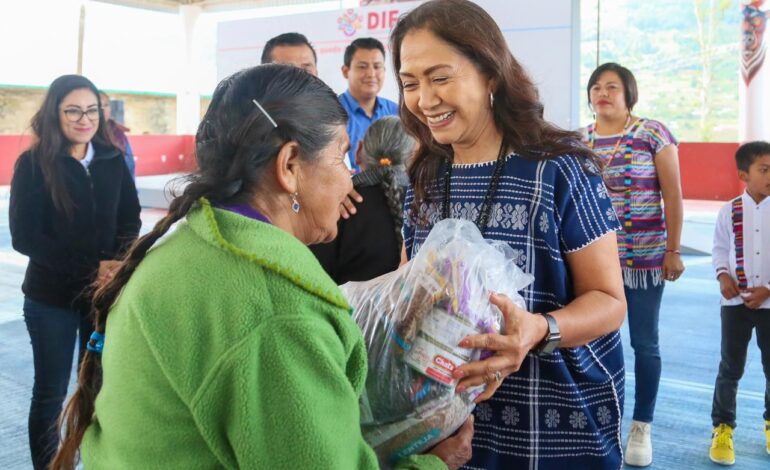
(487, 155)
(643, 174)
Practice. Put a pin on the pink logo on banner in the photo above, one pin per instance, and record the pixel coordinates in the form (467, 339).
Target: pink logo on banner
(350, 22)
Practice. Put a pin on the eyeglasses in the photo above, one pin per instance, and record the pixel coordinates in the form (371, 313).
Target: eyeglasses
(75, 115)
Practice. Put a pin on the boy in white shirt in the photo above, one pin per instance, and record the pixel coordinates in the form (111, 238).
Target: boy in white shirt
(741, 258)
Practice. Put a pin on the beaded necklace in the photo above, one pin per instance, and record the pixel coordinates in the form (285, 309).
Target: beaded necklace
(592, 136)
(627, 179)
(486, 206)
(740, 271)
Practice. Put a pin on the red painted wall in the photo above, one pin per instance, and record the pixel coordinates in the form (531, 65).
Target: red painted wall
(708, 170)
(163, 154)
(10, 148)
(154, 154)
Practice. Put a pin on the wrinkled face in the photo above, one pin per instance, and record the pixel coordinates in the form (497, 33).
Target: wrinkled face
(607, 96)
(323, 184)
(299, 56)
(79, 116)
(366, 73)
(444, 89)
(757, 179)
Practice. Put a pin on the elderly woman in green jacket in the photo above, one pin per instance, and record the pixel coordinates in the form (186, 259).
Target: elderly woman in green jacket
(226, 345)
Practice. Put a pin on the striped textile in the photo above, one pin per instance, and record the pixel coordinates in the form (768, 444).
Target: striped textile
(561, 411)
(648, 227)
(737, 214)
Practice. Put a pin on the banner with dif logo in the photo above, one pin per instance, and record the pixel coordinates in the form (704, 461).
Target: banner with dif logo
(543, 36)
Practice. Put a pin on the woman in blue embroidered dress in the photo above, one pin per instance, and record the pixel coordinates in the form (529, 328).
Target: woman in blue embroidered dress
(643, 171)
(487, 155)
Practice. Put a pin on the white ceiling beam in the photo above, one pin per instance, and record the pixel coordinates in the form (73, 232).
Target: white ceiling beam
(172, 6)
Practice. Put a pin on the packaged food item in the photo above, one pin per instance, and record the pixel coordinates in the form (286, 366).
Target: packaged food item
(413, 319)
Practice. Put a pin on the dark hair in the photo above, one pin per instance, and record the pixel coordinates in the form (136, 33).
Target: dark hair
(517, 110)
(749, 152)
(387, 138)
(49, 143)
(285, 39)
(234, 143)
(630, 90)
(362, 43)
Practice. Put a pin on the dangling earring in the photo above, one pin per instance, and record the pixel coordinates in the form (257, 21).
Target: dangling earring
(294, 203)
(491, 100)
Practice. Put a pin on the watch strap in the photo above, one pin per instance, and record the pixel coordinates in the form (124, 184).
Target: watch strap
(552, 339)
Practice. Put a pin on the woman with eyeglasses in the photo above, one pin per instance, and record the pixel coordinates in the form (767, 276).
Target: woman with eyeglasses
(73, 211)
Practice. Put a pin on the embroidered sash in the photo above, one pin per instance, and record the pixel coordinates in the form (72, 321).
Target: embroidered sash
(740, 271)
(627, 182)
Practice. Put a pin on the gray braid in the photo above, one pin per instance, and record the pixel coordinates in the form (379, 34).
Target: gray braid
(387, 139)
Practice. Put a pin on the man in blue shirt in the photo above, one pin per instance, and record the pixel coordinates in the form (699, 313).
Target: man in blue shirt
(364, 70)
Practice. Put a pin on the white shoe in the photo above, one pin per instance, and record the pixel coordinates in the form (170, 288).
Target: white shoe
(639, 448)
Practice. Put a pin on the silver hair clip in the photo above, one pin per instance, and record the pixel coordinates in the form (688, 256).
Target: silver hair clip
(264, 112)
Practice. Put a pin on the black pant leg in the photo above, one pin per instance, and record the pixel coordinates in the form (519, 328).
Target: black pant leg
(762, 324)
(737, 324)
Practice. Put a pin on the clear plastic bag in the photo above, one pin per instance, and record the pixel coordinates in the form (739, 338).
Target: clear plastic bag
(412, 320)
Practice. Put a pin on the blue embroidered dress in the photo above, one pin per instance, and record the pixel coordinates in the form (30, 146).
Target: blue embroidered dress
(564, 410)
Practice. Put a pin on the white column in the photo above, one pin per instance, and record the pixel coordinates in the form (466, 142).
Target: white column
(188, 102)
(81, 35)
(754, 87)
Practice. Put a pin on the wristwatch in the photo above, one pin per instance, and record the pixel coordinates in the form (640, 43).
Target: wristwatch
(552, 339)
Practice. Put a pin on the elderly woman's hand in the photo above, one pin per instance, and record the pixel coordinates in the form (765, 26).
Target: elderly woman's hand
(455, 451)
(348, 207)
(522, 331)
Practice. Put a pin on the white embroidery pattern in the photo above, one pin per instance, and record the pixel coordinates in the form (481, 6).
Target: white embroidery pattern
(552, 418)
(510, 416)
(543, 222)
(578, 419)
(467, 211)
(603, 415)
(484, 412)
(601, 190)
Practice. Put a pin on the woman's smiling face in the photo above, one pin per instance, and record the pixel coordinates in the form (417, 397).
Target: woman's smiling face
(444, 89)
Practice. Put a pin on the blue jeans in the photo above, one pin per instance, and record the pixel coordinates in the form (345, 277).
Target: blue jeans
(52, 332)
(643, 315)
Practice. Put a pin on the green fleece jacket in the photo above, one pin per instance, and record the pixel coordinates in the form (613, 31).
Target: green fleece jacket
(230, 347)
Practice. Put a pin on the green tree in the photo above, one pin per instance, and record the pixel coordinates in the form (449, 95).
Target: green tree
(707, 14)
(686, 65)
